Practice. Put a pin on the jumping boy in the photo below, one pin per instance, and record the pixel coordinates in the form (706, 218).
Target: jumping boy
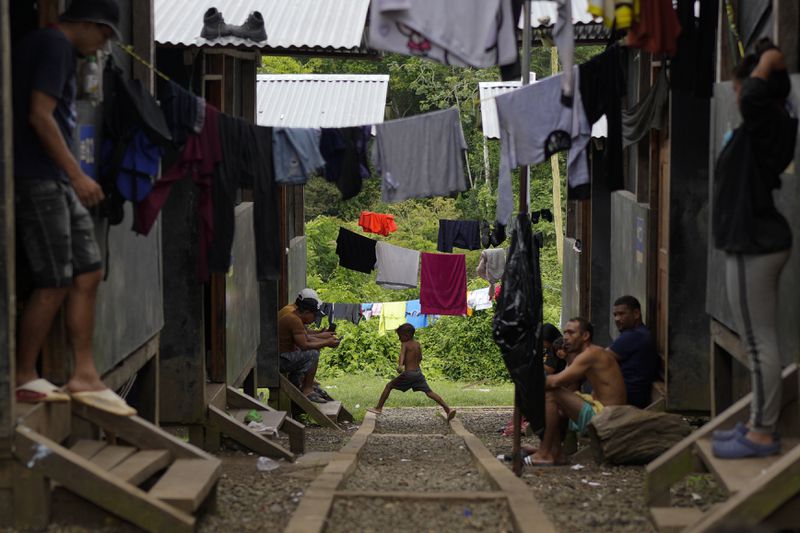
(411, 376)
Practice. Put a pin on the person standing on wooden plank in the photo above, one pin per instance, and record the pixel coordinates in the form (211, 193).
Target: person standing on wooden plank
(54, 228)
(608, 388)
(755, 237)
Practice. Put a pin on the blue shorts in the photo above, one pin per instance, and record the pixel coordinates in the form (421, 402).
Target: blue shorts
(590, 408)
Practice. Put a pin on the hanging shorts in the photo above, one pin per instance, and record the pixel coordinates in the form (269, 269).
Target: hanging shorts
(55, 233)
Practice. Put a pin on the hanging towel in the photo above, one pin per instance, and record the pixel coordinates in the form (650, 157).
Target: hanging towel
(492, 264)
(602, 86)
(535, 124)
(296, 154)
(355, 251)
(464, 234)
(398, 268)
(378, 223)
(393, 314)
(656, 30)
(647, 114)
(345, 154)
(466, 33)
(443, 284)
(414, 315)
(377, 308)
(421, 156)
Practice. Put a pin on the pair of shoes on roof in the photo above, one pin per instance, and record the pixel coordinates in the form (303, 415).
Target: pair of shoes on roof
(734, 444)
(214, 27)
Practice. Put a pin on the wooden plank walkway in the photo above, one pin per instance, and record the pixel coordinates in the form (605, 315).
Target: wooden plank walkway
(313, 513)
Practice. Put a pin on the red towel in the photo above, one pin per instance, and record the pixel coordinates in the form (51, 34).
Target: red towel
(443, 284)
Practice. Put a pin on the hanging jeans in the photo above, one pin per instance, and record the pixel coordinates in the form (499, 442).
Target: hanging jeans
(752, 284)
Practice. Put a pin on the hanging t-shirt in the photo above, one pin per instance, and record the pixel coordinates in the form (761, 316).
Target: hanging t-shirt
(355, 251)
(414, 315)
(421, 156)
(535, 124)
(467, 33)
(397, 268)
(492, 264)
(464, 234)
(443, 284)
(393, 315)
(296, 154)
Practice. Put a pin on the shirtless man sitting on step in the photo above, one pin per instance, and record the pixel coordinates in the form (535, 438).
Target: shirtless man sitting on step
(608, 388)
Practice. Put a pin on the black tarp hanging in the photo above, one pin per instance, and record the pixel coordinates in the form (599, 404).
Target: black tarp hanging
(518, 321)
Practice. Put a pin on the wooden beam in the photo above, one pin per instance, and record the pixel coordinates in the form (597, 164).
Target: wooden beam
(80, 476)
(309, 407)
(120, 374)
(760, 498)
(143, 40)
(245, 436)
(139, 432)
(526, 511)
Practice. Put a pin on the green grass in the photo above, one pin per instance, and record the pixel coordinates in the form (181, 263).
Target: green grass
(359, 392)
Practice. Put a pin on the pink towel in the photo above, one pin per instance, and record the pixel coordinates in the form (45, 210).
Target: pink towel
(443, 284)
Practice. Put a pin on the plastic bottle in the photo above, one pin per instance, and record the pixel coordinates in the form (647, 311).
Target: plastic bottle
(91, 79)
(265, 464)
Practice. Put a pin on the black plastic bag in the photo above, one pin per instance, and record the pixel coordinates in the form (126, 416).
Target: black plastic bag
(518, 321)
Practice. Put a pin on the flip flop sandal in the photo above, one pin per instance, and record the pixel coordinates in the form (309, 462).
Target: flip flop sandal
(316, 398)
(104, 400)
(40, 390)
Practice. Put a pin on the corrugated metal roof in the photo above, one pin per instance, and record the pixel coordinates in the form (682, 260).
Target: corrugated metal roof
(334, 24)
(544, 14)
(321, 100)
(489, 89)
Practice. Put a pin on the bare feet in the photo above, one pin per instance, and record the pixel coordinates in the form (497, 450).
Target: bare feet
(451, 414)
(374, 410)
(542, 459)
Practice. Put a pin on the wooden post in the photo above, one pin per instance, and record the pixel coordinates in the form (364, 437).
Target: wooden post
(558, 218)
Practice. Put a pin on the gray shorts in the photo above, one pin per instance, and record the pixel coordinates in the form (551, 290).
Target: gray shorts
(411, 379)
(297, 364)
(55, 233)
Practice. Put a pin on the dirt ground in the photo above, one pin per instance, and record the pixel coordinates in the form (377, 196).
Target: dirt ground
(580, 497)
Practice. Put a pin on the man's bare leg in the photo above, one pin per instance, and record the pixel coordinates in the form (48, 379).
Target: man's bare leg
(80, 325)
(550, 447)
(35, 323)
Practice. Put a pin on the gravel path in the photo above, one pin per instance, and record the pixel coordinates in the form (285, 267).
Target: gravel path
(420, 463)
(376, 515)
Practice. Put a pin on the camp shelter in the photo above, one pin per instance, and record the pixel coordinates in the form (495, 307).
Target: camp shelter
(124, 466)
(218, 336)
(310, 101)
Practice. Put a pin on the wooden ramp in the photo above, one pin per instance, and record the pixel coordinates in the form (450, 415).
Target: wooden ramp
(760, 491)
(136, 471)
(328, 414)
(227, 409)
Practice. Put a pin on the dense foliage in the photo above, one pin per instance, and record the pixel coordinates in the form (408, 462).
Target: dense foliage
(458, 348)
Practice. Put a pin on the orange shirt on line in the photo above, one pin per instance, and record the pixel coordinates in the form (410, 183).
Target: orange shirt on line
(377, 223)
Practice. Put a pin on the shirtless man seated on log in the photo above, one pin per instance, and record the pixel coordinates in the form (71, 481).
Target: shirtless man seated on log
(608, 388)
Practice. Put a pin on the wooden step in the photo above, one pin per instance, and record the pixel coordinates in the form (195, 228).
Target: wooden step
(111, 456)
(142, 465)
(674, 519)
(736, 475)
(187, 482)
(87, 448)
(270, 418)
(331, 409)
